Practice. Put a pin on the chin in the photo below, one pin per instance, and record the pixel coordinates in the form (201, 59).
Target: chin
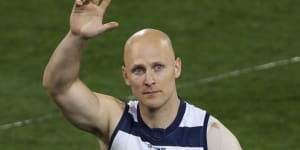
(152, 103)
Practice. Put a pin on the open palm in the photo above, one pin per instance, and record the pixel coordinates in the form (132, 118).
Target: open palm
(87, 18)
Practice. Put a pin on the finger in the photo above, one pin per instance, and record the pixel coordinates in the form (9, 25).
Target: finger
(104, 4)
(79, 2)
(95, 1)
(110, 25)
(82, 2)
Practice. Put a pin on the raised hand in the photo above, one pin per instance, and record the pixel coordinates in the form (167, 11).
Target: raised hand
(87, 18)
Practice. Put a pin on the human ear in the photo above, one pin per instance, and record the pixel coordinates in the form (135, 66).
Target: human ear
(125, 75)
(177, 67)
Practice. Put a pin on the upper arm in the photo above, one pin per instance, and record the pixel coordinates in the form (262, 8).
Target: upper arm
(219, 137)
(87, 110)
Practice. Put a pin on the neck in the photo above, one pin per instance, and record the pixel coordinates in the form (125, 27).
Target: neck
(161, 117)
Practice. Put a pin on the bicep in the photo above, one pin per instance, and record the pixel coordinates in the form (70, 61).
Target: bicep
(82, 107)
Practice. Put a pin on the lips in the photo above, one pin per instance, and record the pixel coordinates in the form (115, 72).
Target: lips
(150, 92)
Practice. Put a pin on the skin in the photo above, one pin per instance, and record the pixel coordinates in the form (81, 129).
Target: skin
(150, 70)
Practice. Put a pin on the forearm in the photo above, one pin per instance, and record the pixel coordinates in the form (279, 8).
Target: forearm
(63, 67)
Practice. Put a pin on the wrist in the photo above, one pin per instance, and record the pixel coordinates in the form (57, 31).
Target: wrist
(74, 40)
(77, 37)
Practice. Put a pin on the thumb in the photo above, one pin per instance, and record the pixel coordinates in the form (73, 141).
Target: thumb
(110, 25)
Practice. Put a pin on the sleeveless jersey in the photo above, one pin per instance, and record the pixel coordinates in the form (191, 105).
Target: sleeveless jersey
(187, 131)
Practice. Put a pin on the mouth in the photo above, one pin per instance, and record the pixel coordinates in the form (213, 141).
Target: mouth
(151, 92)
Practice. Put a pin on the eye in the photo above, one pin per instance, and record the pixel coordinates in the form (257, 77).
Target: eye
(158, 67)
(138, 70)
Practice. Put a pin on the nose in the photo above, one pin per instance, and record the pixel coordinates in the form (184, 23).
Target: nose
(149, 80)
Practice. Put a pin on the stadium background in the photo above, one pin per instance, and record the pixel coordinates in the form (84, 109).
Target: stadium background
(213, 38)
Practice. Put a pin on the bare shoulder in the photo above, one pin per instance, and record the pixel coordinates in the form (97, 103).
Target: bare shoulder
(110, 101)
(219, 137)
(110, 106)
(111, 109)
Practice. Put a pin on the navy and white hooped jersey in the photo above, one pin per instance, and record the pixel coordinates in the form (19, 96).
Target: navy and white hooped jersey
(187, 132)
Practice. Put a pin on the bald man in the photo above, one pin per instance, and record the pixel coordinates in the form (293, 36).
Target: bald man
(158, 119)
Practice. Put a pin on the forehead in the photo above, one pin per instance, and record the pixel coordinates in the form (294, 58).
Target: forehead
(148, 52)
(146, 46)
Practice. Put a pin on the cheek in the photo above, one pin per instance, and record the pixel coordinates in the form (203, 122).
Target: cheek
(166, 77)
(135, 81)
(136, 87)
(170, 73)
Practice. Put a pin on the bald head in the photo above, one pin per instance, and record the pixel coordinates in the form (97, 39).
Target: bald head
(147, 41)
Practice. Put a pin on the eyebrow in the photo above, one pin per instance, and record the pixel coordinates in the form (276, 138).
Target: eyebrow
(157, 63)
